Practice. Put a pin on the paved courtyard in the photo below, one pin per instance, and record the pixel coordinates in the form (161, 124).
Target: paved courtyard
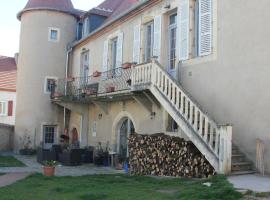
(32, 166)
(254, 182)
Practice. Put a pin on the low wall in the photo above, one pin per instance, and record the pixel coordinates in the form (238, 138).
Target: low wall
(163, 155)
(6, 137)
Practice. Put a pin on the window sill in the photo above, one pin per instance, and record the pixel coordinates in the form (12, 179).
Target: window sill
(199, 60)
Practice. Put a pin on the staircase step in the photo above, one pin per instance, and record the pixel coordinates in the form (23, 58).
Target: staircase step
(238, 158)
(241, 163)
(241, 166)
(236, 173)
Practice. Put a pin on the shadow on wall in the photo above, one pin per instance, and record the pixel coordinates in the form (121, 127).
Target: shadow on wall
(6, 137)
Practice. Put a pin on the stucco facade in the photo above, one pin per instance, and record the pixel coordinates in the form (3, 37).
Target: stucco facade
(40, 58)
(229, 82)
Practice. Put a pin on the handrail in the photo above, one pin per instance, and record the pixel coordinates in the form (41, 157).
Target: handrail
(217, 138)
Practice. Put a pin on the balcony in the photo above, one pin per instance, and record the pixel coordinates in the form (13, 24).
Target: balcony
(108, 86)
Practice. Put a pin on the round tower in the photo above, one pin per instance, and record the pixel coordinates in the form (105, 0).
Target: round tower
(47, 27)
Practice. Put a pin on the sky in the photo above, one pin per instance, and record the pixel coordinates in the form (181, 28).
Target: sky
(10, 26)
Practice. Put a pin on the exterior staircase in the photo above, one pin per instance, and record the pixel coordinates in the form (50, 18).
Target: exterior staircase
(214, 141)
(240, 164)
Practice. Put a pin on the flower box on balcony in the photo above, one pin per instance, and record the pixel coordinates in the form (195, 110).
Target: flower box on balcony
(127, 65)
(110, 89)
(97, 74)
(56, 95)
(70, 79)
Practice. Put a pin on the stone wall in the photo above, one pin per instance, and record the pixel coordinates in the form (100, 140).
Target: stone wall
(6, 137)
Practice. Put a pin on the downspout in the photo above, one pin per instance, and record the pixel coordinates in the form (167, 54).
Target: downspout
(66, 76)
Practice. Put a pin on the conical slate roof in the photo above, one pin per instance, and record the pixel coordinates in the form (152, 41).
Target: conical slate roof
(56, 5)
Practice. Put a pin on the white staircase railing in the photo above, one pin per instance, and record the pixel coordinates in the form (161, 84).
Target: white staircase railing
(212, 140)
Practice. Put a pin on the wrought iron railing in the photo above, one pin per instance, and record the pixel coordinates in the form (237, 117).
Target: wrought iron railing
(112, 81)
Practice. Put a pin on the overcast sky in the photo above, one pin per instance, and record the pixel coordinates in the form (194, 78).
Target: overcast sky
(10, 26)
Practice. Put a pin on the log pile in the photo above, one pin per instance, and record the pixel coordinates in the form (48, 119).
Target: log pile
(162, 155)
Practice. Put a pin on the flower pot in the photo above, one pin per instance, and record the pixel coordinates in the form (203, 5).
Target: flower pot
(96, 74)
(49, 171)
(70, 79)
(126, 65)
(110, 89)
(119, 166)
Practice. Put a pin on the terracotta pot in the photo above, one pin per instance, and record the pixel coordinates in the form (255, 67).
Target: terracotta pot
(110, 89)
(70, 79)
(49, 171)
(126, 65)
(96, 74)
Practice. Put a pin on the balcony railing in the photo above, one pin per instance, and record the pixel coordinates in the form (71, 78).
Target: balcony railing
(100, 84)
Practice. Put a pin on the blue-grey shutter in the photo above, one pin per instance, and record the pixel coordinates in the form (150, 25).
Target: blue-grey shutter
(183, 30)
(205, 27)
(157, 37)
(119, 55)
(105, 58)
(137, 44)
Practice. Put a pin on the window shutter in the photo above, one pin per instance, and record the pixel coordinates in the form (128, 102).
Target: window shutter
(157, 37)
(183, 30)
(137, 44)
(205, 28)
(119, 55)
(10, 108)
(105, 56)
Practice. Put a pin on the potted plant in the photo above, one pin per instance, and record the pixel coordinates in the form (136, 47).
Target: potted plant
(49, 167)
(26, 145)
(96, 74)
(127, 65)
(99, 156)
(110, 88)
(70, 79)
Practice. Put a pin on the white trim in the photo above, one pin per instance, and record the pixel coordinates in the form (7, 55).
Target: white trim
(56, 137)
(58, 34)
(45, 83)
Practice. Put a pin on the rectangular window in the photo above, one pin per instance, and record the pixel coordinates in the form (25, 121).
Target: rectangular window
(172, 41)
(50, 84)
(3, 108)
(49, 133)
(149, 39)
(54, 34)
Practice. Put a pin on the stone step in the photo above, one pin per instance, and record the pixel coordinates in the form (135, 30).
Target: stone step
(239, 157)
(236, 173)
(241, 166)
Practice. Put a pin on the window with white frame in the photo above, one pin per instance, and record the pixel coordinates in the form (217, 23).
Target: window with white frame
(49, 133)
(50, 83)
(149, 40)
(54, 34)
(3, 108)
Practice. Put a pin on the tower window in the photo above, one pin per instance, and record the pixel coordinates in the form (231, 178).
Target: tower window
(50, 83)
(54, 34)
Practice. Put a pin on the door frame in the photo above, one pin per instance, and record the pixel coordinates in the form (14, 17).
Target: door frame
(121, 122)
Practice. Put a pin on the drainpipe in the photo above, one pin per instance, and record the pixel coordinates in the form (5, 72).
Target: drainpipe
(66, 76)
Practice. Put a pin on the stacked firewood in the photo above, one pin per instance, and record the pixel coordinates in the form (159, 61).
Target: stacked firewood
(163, 155)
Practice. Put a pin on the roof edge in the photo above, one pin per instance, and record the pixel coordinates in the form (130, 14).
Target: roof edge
(77, 15)
(111, 22)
